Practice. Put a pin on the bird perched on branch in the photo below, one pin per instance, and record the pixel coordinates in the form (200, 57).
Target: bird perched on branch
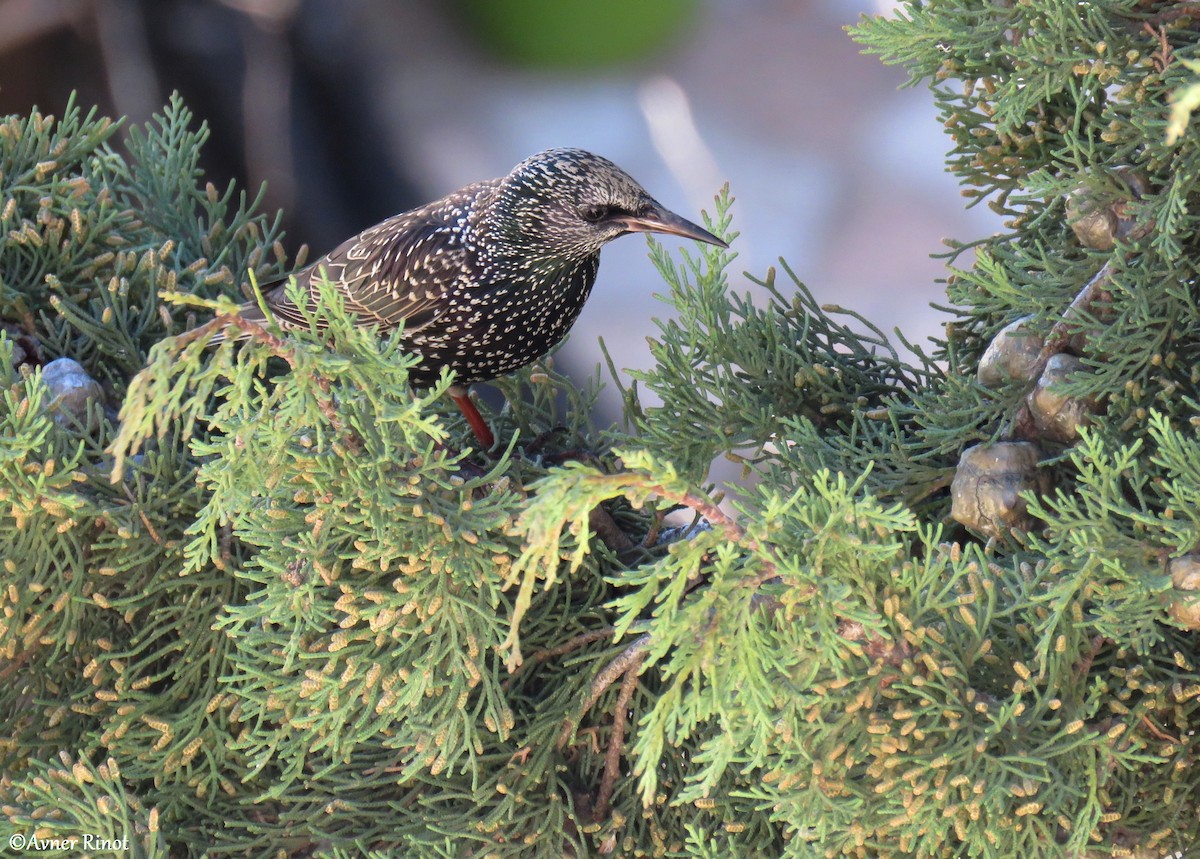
(489, 278)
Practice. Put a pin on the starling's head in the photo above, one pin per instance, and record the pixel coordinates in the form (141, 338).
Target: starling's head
(568, 203)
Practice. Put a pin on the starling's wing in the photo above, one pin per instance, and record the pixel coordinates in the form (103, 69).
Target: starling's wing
(400, 270)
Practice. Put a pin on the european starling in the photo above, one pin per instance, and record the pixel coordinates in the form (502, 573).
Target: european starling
(489, 278)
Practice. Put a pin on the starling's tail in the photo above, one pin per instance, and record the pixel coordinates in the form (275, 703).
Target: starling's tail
(216, 331)
(250, 312)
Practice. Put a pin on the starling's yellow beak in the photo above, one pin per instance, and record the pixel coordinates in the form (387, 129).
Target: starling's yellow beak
(659, 220)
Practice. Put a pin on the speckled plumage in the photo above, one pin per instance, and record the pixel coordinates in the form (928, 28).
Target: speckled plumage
(489, 278)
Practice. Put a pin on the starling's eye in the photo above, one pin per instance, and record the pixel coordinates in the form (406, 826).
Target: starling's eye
(595, 213)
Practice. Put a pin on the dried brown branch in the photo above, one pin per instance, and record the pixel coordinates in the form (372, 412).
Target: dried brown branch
(634, 654)
(10, 669)
(719, 519)
(1158, 732)
(889, 652)
(142, 515)
(602, 525)
(616, 740)
(1163, 56)
(1085, 664)
(560, 650)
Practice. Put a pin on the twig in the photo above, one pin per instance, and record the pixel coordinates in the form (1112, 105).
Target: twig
(635, 653)
(560, 650)
(1085, 664)
(260, 333)
(922, 492)
(888, 652)
(1162, 57)
(142, 514)
(1093, 291)
(567, 646)
(1157, 731)
(717, 517)
(185, 337)
(616, 740)
(655, 530)
(14, 665)
(602, 525)
(1186, 9)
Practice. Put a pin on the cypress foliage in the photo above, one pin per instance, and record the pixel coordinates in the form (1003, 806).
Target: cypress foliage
(279, 606)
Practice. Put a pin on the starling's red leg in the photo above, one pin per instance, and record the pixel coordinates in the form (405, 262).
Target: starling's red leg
(478, 425)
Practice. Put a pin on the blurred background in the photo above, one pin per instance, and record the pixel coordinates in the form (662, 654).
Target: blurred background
(353, 110)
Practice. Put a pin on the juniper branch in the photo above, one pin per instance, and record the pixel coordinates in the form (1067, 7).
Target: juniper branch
(633, 655)
(616, 740)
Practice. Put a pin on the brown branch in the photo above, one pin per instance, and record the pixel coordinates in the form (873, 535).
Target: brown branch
(634, 654)
(714, 514)
(616, 740)
(1157, 731)
(717, 517)
(888, 652)
(259, 332)
(1162, 57)
(602, 525)
(1186, 9)
(14, 665)
(207, 329)
(142, 514)
(1094, 290)
(1085, 664)
(655, 529)
(922, 492)
(559, 650)
(573, 644)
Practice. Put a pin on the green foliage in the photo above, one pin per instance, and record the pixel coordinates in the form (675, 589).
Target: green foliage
(727, 370)
(93, 812)
(89, 241)
(279, 605)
